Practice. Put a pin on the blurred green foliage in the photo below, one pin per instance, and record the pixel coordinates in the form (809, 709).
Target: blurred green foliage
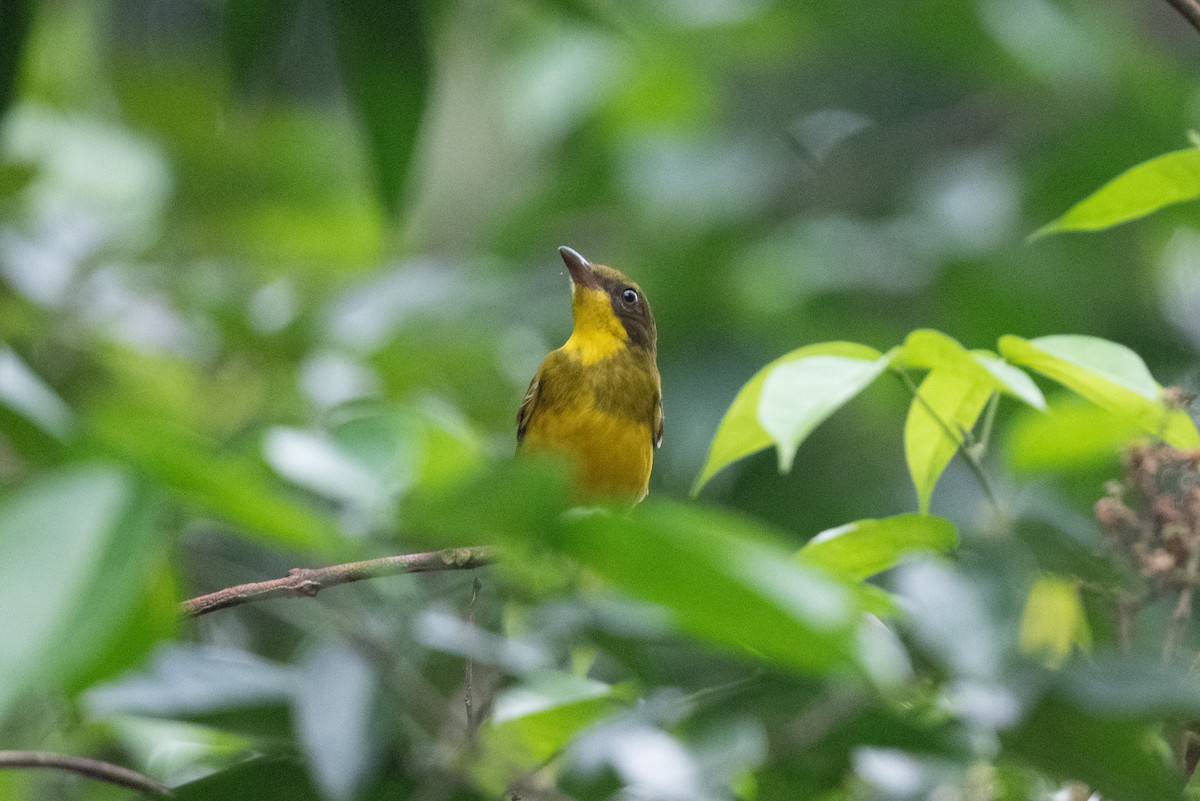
(274, 276)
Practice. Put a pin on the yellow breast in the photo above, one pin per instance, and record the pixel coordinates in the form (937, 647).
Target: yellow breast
(612, 455)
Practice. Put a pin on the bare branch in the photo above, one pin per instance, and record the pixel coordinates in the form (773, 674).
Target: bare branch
(305, 582)
(1190, 9)
(91, 768)
(470, 666)
(1183, 607)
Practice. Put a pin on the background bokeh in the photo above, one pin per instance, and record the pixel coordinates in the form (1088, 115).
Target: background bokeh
(225, 226)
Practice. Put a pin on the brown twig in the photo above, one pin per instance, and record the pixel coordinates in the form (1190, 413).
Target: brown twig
(91, 768)
(470, 665)
(305, 582)
(1190, 9)
(1183, 607)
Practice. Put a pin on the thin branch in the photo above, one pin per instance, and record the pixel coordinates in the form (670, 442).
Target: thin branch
(305, 582)
(472, 722)
(1190, 9)
(1183, 607)
(91, 768)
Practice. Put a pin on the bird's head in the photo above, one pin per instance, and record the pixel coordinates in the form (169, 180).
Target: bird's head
(605, 303)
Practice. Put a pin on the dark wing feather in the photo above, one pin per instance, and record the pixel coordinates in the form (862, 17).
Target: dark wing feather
(658, 419)
(525, 413)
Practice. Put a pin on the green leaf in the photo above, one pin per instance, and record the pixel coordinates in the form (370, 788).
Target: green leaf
(1109, 375)
(1073, 435)
(1170, 178)
(507, 502)
(1109, 754)
(933, 350)
(866, 547)
(385, 62)
(537, 718)
(1010, 379)
(76, 547)
(725, 580)
(237, 488)
(1054, 621)
(800, 395)
(946, 407)
(1124, 686)
(740, 433)
(150, 619)
(286, 778)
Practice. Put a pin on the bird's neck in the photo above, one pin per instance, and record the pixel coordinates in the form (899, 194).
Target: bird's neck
(598, 333)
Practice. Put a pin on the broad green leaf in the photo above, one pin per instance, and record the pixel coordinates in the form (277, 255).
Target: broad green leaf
(1170, 178)
(866, 547)
(946, 407)
(723, 579)
(75, 549)
(537, 718)
(152, 618)
(1054, 621)
(1073, 435)
(237, 488)
(933, 350)
(285, 777)
(1130, 686)
(1010, 379)
(1110, 754)
(1109, 375)
(24, 391)
(176, 751)
(381, 46)
(508, 502)
(740, 433)
(799, 395)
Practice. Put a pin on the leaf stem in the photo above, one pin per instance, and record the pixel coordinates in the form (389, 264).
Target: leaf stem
(959, 438)
(985, 431)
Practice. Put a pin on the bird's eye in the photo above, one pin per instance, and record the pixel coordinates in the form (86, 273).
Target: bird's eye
(630, 296)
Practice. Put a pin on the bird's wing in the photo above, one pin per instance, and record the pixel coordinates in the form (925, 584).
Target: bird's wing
(526, 411)
(658, 421)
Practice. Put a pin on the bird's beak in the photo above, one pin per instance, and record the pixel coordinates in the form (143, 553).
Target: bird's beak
(579, 267)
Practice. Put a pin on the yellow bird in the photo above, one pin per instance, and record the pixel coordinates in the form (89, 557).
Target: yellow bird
(598, 399)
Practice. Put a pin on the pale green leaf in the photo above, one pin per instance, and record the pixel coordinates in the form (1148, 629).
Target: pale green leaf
(1074, 434)
(866, 547)
(947, 405)
(740, 433)
(799, 395)
(75, 549)
(1054, 621)
(537, 718)
(1012, 380)
(725, 580)
(1109, 375)
(932, 350)
(1170, 178)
